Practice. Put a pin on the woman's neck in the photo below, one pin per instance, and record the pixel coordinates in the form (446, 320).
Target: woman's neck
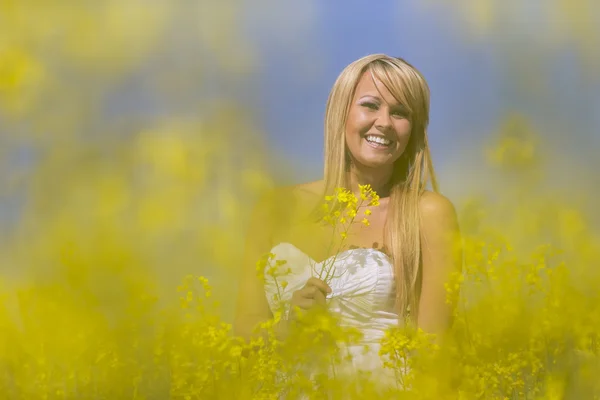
(380, 180)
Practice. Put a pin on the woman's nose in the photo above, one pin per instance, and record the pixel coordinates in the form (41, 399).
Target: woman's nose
(383, 120)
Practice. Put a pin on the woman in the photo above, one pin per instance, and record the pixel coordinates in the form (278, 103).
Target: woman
(375, 133)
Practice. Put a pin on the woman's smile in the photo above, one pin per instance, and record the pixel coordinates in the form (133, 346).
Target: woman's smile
(378, 142)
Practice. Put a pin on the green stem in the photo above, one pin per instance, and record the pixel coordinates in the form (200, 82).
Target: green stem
(343, 239)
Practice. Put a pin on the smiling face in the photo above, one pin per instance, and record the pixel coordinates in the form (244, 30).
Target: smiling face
(377, 127)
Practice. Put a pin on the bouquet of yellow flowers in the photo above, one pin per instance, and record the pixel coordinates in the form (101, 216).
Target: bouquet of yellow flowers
(341, 211)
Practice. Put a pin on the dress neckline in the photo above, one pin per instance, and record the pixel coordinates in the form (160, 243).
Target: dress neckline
(349, 250)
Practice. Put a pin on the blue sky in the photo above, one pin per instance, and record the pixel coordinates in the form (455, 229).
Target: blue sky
(475, 81)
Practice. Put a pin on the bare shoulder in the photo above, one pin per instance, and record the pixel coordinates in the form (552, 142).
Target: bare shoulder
(313, 189)
(435, 206)
(300, 194)
(440, 233)
(284, 201)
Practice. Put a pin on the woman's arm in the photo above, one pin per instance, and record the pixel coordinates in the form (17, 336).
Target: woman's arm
(252, 306)
(441, 256)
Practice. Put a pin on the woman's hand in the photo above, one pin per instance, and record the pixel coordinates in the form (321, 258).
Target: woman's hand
(311, 295)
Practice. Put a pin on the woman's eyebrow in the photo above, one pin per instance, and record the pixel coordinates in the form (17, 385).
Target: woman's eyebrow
(377, 98)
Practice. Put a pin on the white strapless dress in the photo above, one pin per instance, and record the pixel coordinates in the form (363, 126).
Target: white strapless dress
(363, 294)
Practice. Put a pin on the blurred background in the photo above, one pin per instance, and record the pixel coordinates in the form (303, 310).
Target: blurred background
(149, 127)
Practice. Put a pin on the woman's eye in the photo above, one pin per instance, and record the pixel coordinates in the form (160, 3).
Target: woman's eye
(372, 106)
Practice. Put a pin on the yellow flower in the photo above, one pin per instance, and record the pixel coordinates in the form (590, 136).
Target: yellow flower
(235, 351)
(365, 191)
(365, 222)
(367, 212)
(203, 280)
(272, 271)
(261, 264)
(342, 196)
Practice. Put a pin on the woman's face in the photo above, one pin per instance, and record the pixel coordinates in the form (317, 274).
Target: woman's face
(377, 128)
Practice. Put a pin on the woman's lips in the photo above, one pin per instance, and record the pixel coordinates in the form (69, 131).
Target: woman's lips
(378, 146)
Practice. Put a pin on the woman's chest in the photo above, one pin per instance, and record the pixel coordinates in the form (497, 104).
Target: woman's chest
(320, 240)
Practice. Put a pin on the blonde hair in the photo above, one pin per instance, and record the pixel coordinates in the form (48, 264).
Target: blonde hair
(412, 171)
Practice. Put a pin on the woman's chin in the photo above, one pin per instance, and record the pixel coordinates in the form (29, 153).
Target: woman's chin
(375, 162)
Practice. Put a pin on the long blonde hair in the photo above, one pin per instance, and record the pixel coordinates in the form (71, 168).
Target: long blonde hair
(412, 171)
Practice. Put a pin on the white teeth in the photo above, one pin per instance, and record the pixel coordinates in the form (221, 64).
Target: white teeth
(377, 139)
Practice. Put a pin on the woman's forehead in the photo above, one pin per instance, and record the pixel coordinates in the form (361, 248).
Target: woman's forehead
(370, 85)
